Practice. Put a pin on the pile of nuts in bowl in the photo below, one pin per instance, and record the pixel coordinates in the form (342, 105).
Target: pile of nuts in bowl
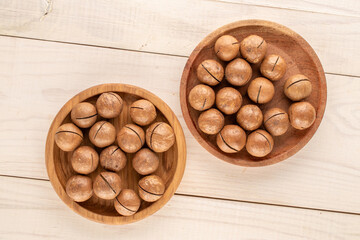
(228, 100)
(159, 137)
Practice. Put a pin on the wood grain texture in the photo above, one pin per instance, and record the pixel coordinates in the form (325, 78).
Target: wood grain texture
(344, 7)
(145, 26)
(38, 77)
(38, 215)
(172, 162)
(299, 57)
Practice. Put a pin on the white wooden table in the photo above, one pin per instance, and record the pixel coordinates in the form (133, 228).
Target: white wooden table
(49, 51)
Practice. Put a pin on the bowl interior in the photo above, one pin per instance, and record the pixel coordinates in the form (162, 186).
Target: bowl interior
(300, 58)
(169, 162)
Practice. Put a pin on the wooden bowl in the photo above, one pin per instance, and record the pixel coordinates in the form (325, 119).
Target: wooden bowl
(171, 168)
(300, 58)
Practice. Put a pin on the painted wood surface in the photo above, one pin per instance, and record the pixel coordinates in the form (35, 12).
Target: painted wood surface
(39, 77)
(39, 214)
(176, 27)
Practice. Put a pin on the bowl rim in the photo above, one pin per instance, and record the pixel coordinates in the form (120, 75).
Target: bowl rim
(302, 43)
(123, 88)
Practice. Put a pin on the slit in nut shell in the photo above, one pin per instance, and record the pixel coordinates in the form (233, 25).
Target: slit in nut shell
(113, 158)
(297, 87)
(102, 134)
(231, 139)
(142, 112)
(127, 203)
(226, 47)
(84, 160)
(84, 114)
(68, 137)
(259, 143)
(253, 48)
(131, 138)
(210, 72)
(261, 90)
(107, 185)
(151, 188)
(160, 137)
(276, 121)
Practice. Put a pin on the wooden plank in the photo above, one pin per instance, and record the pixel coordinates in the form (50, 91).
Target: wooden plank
(39, 77)
(344, 7)
(176, 27)
(31, 208)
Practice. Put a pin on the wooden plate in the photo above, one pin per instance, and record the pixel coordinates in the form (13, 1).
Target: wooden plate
(300, 58)
(172, 162)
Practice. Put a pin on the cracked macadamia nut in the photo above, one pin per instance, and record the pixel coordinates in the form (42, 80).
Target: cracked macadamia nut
(249, 117)
(151, 188)
(211, 121)
(273, 67)
(84, 114)
(276, 121)
(145, 161)
(79, 188)
(102, 134)
(160, 137)
(127, 203)
(238, 72)
(84, 160)
(259, 143)
(142, 112)
(226, 47)
(131, 138)
(201, 97)
(210, 72)
(297, 87)
(107, 185)
(231, 139)
(109, 105)
(68, 137)
(113, 159)
(228, 100)
(253, 48)
(302, 115)
(261, 90)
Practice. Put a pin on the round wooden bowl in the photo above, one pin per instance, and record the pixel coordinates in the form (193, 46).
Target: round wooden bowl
(300, 58)
(171, 168)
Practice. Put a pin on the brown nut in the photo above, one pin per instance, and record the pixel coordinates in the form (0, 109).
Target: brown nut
(249, 117)
(228, 100)
(210, 72)
(79, 188)
(273, 67)
(261, 90)
(231, 139)
(151, 188)
(211, 121)
(226, 47)
(297, 87)
(142, 112)
(160, 137)
(127, 203)
(145, 161)
(302, 115)
(276, 121)
(238, 72)
(107, 185)
(201, 97)
(113, 159)
(84, 160)
(259, 143)
(68, 137)
(102, 134)
(84, 114)
(253, 48)
(109, 105)
(131, 138)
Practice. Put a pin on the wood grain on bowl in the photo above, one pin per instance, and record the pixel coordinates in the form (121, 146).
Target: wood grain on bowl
(299, 57)
(171, 167)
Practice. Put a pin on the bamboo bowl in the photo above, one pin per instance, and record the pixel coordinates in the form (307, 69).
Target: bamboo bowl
(171, 168)
(300, 58)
